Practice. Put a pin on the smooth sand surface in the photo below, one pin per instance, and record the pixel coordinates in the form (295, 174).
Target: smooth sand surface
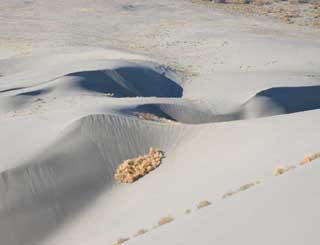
(241, 95)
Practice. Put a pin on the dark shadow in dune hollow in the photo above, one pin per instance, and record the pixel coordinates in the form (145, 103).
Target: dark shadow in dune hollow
(129, 82)
(35, 92)
(294, 99)
(269, 102)
(187, 114)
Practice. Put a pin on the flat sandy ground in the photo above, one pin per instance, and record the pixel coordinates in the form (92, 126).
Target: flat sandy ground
(232, 100)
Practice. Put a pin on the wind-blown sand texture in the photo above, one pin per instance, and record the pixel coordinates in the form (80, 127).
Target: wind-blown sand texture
(87, 85)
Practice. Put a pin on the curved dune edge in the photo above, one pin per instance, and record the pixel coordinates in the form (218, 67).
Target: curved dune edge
(60, 182)
(268, 102)
(125, 79)
(58, 185)
(142, 79)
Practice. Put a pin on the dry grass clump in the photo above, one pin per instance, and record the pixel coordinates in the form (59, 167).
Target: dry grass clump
(309, 158)
(165, 220)
(203, 204)
(133, 169)
(281, 170)
(140, 232)
(122, 240)
(152, 117)
(188, 211)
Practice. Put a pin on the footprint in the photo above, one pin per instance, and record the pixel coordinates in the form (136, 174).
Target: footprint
(281, 170)
(122, 240)
(203, 204)
(140, 232)
(165, 220)
(241, 188)
(309, 158)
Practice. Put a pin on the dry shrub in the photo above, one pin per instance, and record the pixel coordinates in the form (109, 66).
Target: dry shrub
(203, 204)
(309, 158)
(188, 211)
(141, 232)
(122, 240)
(286, 18)
(165, 220)
(152, 117)
(133, 169)
(281, 170)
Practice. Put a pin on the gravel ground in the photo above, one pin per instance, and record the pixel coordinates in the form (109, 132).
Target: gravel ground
(300, 12)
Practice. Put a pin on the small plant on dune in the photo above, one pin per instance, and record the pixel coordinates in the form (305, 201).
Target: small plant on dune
(133, 169)
(140, 232)
(122, 240)
(165, 220)
(152, 117)
(281, 170)
(188, 211)
(309, 158)
(203, 204)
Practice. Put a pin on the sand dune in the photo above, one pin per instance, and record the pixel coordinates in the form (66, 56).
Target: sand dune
(80, 164)
(228, 99)
(72, 178)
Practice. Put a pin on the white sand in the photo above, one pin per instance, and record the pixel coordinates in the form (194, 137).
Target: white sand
(245, 95)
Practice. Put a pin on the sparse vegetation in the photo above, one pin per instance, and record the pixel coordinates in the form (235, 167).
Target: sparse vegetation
(302, 12)
(152, 117)
(165, 220)
(133, 169)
